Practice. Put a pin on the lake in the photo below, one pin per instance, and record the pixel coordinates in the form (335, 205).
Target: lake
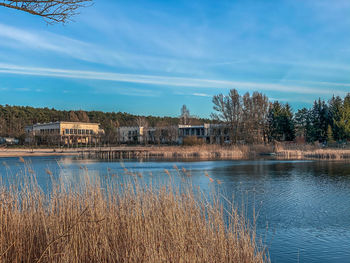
(302, 206)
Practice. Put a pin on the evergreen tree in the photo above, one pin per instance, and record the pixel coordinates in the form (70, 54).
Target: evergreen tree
(281, 122)
(344, 121)
(320, 121)
(330, 138)
(334, 105)
(303, 124)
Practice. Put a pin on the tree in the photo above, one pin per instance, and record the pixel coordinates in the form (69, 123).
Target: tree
(185, 115)
(246, 117)
(281, 122)
(320, 120)
(73, 117)
(330, 137)
(303, 124)
(255, 113)
(82, 116)
(229, 110)
(53, 11)
(344, 121)
(142, 123)
(334, 105)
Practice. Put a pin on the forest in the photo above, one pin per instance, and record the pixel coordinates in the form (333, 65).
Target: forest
(254, 119)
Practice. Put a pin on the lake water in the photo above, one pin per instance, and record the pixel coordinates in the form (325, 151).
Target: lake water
(303, 207)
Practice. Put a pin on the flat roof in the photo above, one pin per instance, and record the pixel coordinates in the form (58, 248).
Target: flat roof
(59, 122)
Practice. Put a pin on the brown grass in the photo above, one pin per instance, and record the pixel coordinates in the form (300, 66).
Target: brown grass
(307, 151)
(334, 154)
(128, 222)
(211, 151)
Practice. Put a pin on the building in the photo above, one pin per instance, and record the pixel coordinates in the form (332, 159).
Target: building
(136, 134)
(209, 133)
(64, 133)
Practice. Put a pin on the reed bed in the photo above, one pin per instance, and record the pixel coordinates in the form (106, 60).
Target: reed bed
(334, 154)
(211, 151)
(127, 221)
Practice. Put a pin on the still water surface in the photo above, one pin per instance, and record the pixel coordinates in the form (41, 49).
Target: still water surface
(303, 207)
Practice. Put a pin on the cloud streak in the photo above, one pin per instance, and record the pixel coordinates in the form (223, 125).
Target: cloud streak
(163, 80)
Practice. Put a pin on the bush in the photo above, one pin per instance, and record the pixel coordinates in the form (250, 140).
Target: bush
(192, 141)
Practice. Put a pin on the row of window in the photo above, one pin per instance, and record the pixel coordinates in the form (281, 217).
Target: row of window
(193, 131)
(49, 131)
(78, 131)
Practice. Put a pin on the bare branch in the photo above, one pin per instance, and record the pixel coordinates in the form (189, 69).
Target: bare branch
(53, 11)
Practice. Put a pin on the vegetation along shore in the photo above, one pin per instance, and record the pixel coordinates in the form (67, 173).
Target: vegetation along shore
(236, 152)
(127, 221)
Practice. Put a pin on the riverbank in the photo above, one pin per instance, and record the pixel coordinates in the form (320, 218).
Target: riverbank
(190, 152)
(24, 152)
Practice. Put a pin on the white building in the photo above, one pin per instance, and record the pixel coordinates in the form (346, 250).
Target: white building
(69, 133)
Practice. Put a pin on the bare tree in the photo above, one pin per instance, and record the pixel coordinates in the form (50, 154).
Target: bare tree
(185, 115)
(229, 111)
(245, 115)
(142, 123)
(53, 11)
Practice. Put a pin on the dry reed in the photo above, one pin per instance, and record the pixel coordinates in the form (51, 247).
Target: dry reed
(123, 222)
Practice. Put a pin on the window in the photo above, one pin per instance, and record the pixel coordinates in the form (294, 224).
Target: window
(79, 131)
(67, 131)
(71, 131)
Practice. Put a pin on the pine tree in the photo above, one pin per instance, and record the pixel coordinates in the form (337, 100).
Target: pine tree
(344, 121)
(330, 138)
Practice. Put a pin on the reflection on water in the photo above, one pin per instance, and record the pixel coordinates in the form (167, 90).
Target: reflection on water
(302, 206)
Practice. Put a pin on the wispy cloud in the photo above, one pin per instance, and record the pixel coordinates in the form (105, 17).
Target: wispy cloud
(201, 95)
(43, 41)
(127, 91)
(163, 80)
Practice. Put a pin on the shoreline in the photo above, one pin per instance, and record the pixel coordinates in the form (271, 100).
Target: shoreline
(189, 152)
(5, 153)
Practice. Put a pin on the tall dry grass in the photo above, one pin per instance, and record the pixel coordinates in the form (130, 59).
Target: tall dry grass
(123, 222)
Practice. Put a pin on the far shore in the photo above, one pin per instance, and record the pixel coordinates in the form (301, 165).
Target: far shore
(23, 152)
(189, 152)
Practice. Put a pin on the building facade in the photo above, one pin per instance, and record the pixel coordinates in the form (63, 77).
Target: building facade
(66, 133)
(209, 133)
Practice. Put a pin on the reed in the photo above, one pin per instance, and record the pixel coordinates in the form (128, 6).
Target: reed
(328, 153)
(131, 221)
(209, 151)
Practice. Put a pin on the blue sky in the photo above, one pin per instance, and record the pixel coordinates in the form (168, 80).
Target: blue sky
(151, 57)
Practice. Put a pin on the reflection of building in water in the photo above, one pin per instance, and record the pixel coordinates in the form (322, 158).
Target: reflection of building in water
(71, 177)
(62, 132)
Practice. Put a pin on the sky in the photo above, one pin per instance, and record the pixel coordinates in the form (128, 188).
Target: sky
(151, 57)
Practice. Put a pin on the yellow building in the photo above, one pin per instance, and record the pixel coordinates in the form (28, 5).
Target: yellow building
(63, 132)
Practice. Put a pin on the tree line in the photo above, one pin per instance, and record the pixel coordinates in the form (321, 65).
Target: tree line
(13, 120)
(253, 119)
(250, 118)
